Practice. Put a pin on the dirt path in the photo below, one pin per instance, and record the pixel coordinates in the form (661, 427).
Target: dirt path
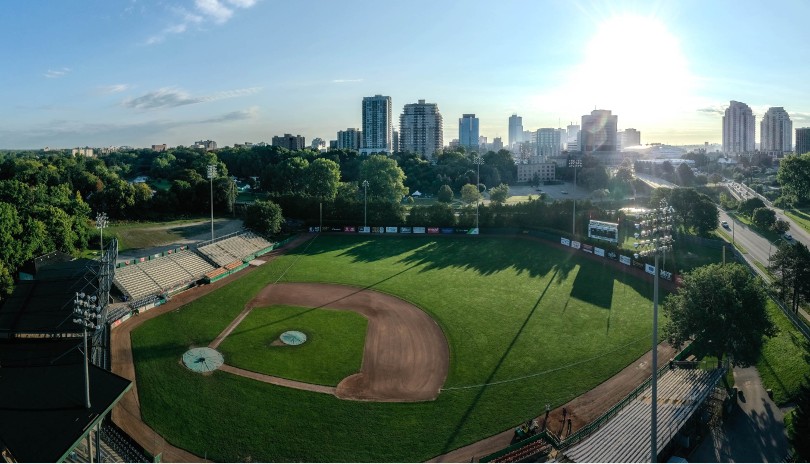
(406, 356)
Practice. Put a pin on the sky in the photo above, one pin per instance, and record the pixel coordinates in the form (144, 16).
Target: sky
(140, 72)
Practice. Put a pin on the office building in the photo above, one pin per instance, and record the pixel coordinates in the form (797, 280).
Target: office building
(547, 142)
(394, 140)
(207, 145)
(515, 130)
(802, 141)
(738, 129)
(629, 138)
(497, 144)
(377, 125)
(598, 133)
(776, 132)
(290, 142)
(544, 171)
(468, 132)
(420, 129)
(159, 148)
(573, 133)
(350, 139)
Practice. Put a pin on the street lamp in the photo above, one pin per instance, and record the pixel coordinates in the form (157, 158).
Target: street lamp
(365, 204)
(655, 234)
(101, 223)
(478, 162)
(574, 163)
(212, 172)
(87, 313)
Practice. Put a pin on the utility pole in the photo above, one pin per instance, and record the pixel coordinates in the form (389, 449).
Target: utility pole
(212, 172)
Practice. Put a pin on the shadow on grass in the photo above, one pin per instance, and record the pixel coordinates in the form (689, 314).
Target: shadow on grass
(594, 285)
(457, 429)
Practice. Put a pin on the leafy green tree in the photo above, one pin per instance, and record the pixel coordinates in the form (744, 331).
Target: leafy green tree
(290, 176)
(385, 179)
(470, 194)
(418, 216)
(780, 226)
(800, 425)
(794, 177)
(685, 175)
(323, 177)
(440, 215)
(445, 194)
(264, 217)
(499, 194)
(764, 217)
(790, 265)
(748, 206)
(504, 163)
(721, 309)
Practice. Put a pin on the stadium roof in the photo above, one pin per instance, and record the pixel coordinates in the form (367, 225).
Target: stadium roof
(45, 305)
(626, 437)
(42, 398)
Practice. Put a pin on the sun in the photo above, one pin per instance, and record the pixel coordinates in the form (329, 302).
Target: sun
(634, 63)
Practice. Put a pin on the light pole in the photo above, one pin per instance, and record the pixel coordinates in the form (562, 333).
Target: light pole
(365, 204)
(574, 163)
(478, 162)
(655, 234)
(212, 172)
(101, 223)
(87, 313)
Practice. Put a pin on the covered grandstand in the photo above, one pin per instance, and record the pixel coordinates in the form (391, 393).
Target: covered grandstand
(161, 274)
(242, 246)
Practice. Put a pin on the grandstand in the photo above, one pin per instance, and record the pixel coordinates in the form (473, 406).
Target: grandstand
(162, 274)
(235, 248)
(626, 437)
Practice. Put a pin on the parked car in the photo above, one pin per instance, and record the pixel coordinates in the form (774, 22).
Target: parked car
(564, 192)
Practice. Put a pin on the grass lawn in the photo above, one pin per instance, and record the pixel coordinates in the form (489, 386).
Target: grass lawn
(133, 235)
(785, 358)
(801, 217)
(527, 324)
(332, 352)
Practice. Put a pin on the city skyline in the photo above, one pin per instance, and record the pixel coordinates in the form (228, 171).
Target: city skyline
(141, 72)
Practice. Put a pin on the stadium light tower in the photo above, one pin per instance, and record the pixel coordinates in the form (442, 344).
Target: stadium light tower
(574, 163)
(212, 172)
(655, 238)
(101, 223)
(365, 204)
(87, 313)
(478, 162)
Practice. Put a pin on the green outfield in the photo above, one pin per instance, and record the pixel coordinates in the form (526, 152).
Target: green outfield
(527, 324)
(332, 352)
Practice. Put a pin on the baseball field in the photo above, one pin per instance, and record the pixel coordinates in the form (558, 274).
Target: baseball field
(520, 324)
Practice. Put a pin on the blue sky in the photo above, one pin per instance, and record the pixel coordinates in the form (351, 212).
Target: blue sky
(140, 72)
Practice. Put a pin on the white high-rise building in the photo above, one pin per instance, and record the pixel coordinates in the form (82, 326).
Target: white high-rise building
(776, 132)
(420, 129)
(547, 142)
(377, 124)
(468, 132)
(515, 130)
(738, 129)
(630, 138)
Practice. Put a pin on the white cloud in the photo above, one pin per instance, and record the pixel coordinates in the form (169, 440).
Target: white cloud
(344, 81)
(242, 3)
(168, 97)
(217, 11)
(55, 74)
(214, 9)
(115, 88)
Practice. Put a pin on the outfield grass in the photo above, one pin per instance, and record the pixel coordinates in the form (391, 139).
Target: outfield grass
(332, 352)
(527, 324)
(785, 358)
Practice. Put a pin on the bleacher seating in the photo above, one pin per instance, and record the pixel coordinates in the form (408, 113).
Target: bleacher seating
(234, 248)
(533, 449)
(161, 274)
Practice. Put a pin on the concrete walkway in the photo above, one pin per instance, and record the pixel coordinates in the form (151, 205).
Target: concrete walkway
(753, 432)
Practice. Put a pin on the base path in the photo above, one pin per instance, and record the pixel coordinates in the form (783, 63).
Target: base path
(406, 355)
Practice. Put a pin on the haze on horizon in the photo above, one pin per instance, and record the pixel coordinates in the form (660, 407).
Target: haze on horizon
(143, 72)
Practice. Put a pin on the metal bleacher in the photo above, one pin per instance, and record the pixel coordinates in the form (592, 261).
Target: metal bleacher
(160, 274)
(234, 248)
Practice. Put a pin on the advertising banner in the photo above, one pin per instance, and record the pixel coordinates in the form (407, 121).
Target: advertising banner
(599, 251)
(612, 255)
(625, 260)
(405, 230)
(143, 260)
(364, 230)
(638, 264)
(575, 244)
(649, 269)
(433, 230)
(419, 230)
(378, 230)
(565, 241)
(349, 229)
(473, 231)
(314, 229)
(391, 230)
(587, 248)
(448, 230)
(336, 229)
(665, 274)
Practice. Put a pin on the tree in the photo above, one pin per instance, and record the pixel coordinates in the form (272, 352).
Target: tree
(323, 177)
(445, 194)
(780, 226)
(794, 176)
(764, 217)
(748, 206)
(385, 179)
(499, 194)
(721, 309)
(264, 217)
(800, 425)
(440, 215)
(685, 175)
(790, 265)
(470, 194)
